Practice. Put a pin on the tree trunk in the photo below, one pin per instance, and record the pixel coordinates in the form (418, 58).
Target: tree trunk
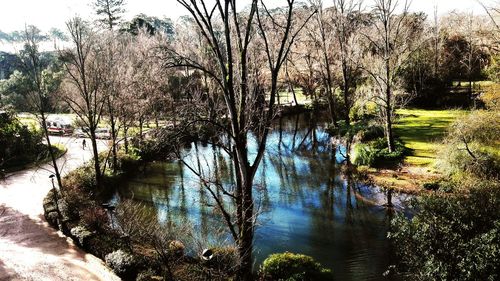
(245, 245)
(346, 101)
(141, 124)
(125, 138)
(51, 151)
(97, 166)
(331, 107)
(113, 135)
(388, 129)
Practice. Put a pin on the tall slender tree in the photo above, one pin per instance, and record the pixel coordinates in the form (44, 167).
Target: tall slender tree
(347, 19)
(85, 68)
(391, 48)
(43, 84)
(231, 38)
(110, 12)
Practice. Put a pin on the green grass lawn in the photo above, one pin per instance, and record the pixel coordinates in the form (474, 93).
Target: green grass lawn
(287, 97)
(422, 131)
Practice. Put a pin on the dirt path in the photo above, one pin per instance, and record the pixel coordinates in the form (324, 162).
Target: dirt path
(29, 248)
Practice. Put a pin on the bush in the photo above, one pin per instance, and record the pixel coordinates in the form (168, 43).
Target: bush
(370, 133)
(127, 163)
(293, 267)
(148, 275)
(80, 233)
(470, 148)
(95, 218)
(81, 179)
(376, 153)
(102, 244)
(434, 186)
(225, 260)
(453, 237)
(18, 145)
(122, 263)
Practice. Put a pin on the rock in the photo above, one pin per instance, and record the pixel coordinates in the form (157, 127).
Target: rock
(50, 210)
(51, 218)
(176, 247)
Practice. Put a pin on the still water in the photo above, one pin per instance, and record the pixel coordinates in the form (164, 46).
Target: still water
(305, 204)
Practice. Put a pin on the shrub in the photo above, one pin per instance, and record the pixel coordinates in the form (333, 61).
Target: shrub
(80, 233)
(225, 260)
(453, 237)
(371, 132)
(471, 146)
(148, 275)
(95, 218)
(376, 153)
(431, 185)
(127, 163)
(363, 155)
(293, 267)
(18, 145)
(102, 244)
(122, 263)
(82, 179)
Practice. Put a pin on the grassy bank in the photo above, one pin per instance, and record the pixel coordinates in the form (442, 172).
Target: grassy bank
(36, 160)
(422, 132)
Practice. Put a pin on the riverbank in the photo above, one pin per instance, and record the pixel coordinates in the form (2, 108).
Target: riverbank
(422, 132)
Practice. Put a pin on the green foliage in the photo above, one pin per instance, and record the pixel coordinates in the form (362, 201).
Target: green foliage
(471, 146)
(151, 25)
(20, 91)
(493, 70)
(81, 179)
(363, 111)
(293, 267)
(127, 163)
(18, 145)
(8, 62)
(376, 153)
(110, 12)
(370, 133)
(453, 237)
(13, 91)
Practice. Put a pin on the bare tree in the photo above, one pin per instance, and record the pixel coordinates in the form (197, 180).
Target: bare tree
(493, 11)
(85, 66)
(238, 71)
(467, 45)
(111, 12)
(322, 33)
(392, 40)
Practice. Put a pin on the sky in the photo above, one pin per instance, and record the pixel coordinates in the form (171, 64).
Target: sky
(45, 14)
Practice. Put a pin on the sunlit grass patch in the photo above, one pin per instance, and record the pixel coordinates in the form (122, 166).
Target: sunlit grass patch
(422, 130)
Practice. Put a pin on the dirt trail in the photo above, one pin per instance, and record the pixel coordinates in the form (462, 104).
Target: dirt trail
(29, 248)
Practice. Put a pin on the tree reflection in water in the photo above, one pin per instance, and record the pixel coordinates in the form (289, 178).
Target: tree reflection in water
(305, 203)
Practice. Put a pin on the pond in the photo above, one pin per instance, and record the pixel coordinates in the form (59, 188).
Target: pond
(304, 202)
